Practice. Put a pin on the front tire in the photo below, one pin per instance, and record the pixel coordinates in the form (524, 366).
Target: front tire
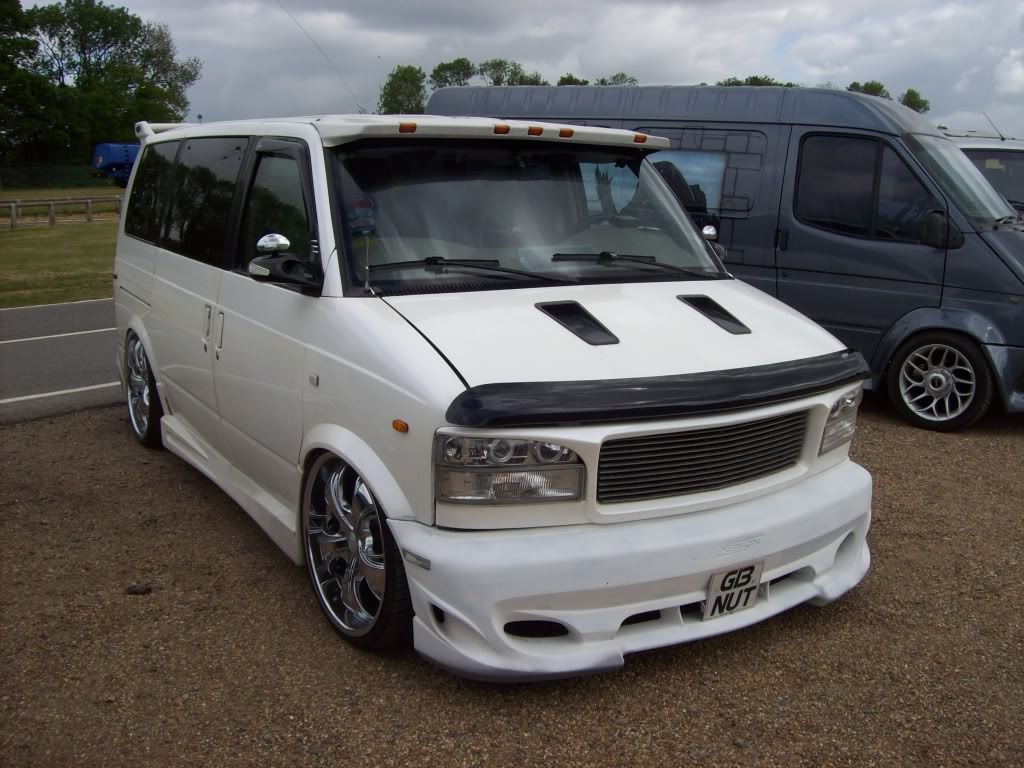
(940, 381)
(353, 562)
(144, 409)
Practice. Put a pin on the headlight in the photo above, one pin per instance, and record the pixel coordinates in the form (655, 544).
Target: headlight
(842, 421)
(482, 470)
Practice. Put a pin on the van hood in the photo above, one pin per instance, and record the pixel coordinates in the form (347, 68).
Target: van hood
(619, 331)
(1008, 243)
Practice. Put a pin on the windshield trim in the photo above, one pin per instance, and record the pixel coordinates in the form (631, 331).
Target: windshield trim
(352, 280)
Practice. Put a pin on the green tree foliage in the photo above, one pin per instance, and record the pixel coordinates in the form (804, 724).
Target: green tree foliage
(404, 92)
(92, 71)
(756, 80)
(619, 78)
(570, 79)
(871, 88)
(508, 72)
(913, 99)
(448, 73)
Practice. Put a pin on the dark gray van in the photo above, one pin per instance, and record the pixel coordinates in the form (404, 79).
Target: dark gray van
(852, 209)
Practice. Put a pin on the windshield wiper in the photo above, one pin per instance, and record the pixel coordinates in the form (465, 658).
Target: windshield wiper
(490, 265)
(610, 257)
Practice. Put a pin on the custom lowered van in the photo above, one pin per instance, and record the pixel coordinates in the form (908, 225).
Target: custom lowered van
(488, 383)
(852, 209)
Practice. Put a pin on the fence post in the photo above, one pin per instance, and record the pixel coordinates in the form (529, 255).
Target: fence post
(14, 215)
(53, 214)
(88, 210)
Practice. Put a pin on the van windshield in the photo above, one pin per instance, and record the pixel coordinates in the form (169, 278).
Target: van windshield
(430, 216)
(1004, 170)
(960, 179)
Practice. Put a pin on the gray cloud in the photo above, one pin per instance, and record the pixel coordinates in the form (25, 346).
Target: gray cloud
(965, 56)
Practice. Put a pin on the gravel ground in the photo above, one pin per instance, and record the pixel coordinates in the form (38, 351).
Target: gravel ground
(226, 661)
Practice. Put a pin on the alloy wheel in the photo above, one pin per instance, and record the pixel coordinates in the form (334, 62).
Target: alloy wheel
(138, 379)
(937, 382)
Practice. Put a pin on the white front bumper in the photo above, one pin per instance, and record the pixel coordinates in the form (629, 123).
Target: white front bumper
(590, 578)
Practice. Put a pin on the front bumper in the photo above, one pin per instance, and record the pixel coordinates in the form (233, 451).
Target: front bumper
(1008, 364)
(591, 578)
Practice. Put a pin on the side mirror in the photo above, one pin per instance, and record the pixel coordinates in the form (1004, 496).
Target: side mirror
(710, 233)
(720, 251)
(280, 267)
(939, 232)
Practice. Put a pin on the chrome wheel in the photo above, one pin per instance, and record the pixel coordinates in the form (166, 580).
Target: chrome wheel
(344, 545)
(138, 394)
(937, 382)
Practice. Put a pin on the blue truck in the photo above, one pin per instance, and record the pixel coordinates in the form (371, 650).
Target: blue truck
(114, 161)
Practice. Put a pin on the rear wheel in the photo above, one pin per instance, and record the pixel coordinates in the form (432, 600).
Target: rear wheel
(940, 381)
(144, 410)
(354, 565)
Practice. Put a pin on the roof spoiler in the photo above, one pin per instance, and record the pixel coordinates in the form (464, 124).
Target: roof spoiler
(144, 130)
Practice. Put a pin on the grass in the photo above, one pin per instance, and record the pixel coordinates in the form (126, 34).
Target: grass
(10, 195)
(45, 265)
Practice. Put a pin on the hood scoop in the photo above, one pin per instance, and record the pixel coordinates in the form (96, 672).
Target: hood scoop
(716, 313)
(572, 316)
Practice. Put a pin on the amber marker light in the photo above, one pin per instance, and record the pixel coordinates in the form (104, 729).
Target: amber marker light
(639, 138)
(400, 426)
(407, 127)
(565, 133)
(534, 130)
(501, 129)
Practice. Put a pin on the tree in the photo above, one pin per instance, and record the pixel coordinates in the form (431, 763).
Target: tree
(507, 72)
(570, 79)
(913, 99)
(757, 81)
(871, 88)
(404, 92)
(448, 73)
(619, 78)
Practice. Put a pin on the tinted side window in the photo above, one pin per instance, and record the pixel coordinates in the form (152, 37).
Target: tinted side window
(902, 201)
(149, 192)
(276, 205)
(835, 187)
(203, 186)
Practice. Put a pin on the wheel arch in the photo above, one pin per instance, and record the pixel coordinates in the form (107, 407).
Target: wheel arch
(136, 326)
(350, 448)
(973, 325)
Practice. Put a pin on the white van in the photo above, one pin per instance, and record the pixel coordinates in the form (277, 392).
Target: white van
(488, 383)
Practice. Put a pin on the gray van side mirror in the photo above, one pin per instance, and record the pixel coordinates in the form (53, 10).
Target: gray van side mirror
(939, 232)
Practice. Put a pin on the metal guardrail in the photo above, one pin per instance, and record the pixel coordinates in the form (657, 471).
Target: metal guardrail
(51, 205)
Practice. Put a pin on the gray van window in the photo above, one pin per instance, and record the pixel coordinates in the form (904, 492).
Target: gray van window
(1003, 169)
(202, 190)
(903, 202)
(835, 188)
(959, 179)
(149, 191)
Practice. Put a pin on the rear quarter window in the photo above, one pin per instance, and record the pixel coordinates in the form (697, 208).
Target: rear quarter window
(149, 192)
(203, 187)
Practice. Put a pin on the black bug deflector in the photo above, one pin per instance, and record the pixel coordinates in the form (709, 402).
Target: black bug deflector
(530, 404)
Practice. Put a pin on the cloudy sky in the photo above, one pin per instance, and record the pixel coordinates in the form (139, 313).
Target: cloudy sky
(966, 57)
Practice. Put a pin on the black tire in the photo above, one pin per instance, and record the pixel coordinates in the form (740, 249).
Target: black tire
(391, 626)
(939, 419)
(146, 431)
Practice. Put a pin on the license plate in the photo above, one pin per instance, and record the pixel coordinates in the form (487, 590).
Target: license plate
(733, 591)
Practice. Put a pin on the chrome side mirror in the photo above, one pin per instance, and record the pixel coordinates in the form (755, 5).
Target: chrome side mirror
(710, 233)
(272, 244)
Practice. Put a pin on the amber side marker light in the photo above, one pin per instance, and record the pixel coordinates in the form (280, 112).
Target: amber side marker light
(565, 133)
(639, 138)
(400, 426)
(534, 130)
(501, 130)
(407, 127)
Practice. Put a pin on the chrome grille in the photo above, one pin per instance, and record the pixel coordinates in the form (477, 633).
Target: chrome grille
(678, 463)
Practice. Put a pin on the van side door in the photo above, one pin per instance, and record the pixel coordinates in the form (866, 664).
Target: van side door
(258, 365)
(849, 245)
(183, 324)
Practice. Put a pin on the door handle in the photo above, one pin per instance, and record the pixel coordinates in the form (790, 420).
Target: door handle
(220, 335)
(782, 239)
(209, 318)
